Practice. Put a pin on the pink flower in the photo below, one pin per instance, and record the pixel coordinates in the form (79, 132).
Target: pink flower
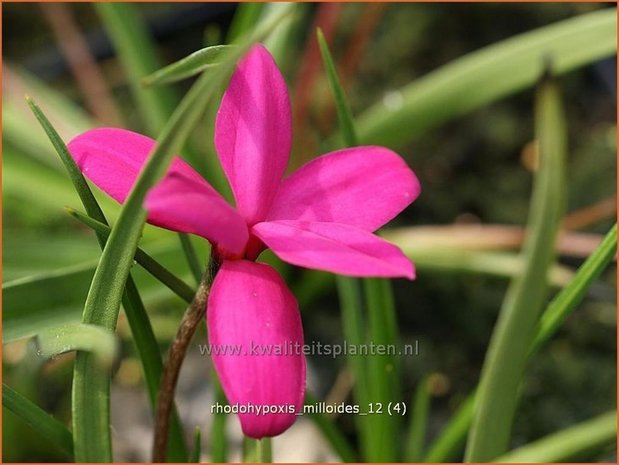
(322, 216)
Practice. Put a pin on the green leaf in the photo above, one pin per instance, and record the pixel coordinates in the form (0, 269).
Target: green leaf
(501, 264)
(452, 438)
(77, 336)
(90, 385)
(379, 432)
(446, 446)
(245, 19)
(192, 258)
(383, 371)
(33, 303)
(576, 443)
(186, 67)
(219, 445)
(142, 331)
(566, 301)
(351, 305)
(197, 446)
(176, 285)
(418, 423)
(344, 115)
(331, 433)
(137, 53)
(515, 329)
(42, 422)
(487, 75)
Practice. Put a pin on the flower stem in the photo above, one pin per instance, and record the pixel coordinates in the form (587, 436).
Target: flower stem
(176, 355)
(257, 450)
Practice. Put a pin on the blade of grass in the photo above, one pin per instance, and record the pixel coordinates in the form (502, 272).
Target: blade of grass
(418, 423)
(566, 301)
(350, 289)
(78, 336)
(91, 386)
(245, 19)
(192, 258)
(281, 43)
(36, 302)
(331, 432)
(137, 53)
(575, 443)
(487, 75)
(139, 57)
(515, 329)
(379, 434)
(144, 338)
(445, 448)
(383, 371)
(453, 437)
(351, 305)
(502, 264)
(184, 68)
(219, 445)
(161, 273)
(344, 115)
(196, 453)
(38, 419)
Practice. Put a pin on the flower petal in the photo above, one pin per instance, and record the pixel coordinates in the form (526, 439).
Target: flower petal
(183, 204)
(334, 247)
(253, 132)
(361, 186)
(254, 327)
(182, 201)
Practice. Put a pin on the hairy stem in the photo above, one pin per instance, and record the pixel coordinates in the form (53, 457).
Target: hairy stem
(176, 355)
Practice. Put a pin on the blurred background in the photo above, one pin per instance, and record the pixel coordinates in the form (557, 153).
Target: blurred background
(475, 170)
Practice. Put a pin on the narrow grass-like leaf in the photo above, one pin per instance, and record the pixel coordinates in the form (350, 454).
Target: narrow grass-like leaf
(331, 433)
(141, 328)
(245, 19)
(515, 329)
(78, 336)
(186, 67)
(451, 440)
(379, 434)
(138, 55)
(165, 276)
(576, 443)
(351, 305)
(344, 115)
(219, 443)
(91, 386)
(33, 303)
(196, 452)
(418, 423)
(42, 422)
(192, 258)
(282, 43)
(383, 371)
(501, 264)
(446, 447)
(487, 75)
(566, 301)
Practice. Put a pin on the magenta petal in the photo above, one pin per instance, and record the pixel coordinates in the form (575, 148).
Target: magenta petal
(334, 247)
(183, 204)
(360, 186)
(182, 201)
(251, 311)
(253, 132)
